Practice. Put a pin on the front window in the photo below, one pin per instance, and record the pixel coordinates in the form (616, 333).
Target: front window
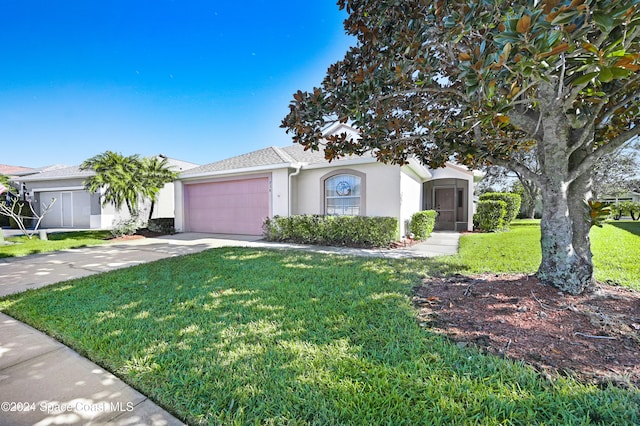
(343, 194)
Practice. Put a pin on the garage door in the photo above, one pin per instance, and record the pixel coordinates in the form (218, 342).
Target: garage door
(228, 207)
(71, 209)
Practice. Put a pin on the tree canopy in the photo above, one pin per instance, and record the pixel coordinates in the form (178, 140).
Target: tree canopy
(127, 180)
(478, 81)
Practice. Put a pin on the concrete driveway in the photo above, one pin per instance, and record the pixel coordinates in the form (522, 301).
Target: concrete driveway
(23, 273)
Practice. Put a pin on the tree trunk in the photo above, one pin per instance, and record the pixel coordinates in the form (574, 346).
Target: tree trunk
(153, 203)
(566, 254)
(566, 249)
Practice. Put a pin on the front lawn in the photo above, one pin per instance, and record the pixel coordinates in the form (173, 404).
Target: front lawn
(22, 246)
(248, 336)
(615, 248)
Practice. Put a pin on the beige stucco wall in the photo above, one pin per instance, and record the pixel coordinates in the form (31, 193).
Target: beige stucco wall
(280, 192)
(410, 197)
(382, 189)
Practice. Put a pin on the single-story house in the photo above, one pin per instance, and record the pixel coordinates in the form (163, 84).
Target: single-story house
(76, 207)
(235, 195)
(627, 196)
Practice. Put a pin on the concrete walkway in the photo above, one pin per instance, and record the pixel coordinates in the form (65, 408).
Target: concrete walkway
(42, 382)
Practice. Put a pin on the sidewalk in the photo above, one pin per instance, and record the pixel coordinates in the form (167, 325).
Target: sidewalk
(61, 387)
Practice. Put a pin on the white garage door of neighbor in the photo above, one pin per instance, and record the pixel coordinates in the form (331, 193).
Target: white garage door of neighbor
(228, 207)
(71, 209)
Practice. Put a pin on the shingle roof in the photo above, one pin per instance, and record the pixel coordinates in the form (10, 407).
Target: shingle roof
(262, 157)
(8, 170)
(74, 172)
(68, 172)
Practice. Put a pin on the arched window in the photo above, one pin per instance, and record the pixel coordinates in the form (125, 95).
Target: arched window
(343, 194)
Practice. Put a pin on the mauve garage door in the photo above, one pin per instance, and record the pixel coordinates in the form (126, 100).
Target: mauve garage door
(229, 207)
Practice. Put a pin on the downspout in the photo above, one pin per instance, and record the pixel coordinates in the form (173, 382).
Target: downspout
(296, 173)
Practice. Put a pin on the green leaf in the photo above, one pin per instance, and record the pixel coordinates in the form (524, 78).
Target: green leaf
(564, 18)
(619, 73)
(606, 75)
(603, 20)
(585, 78)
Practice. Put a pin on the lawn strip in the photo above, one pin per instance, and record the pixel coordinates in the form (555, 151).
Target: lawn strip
(240, 335)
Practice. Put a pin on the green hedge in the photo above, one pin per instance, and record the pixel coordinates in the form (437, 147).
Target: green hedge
(490, 215)
(356, 231)
(164, 225)
(631, 208)
(512, 203)
(422, 224)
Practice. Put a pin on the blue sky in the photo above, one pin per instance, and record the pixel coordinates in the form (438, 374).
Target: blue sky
(195, 80)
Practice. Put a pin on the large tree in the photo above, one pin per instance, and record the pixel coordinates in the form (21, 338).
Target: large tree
(477, 81)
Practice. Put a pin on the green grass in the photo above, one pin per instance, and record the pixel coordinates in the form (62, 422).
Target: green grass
(615, 247)
(23, 246)
(248, 336)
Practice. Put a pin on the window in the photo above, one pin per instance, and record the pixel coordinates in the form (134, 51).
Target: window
(343, 195)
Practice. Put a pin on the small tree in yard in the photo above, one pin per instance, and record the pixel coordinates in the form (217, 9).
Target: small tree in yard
(128, 180)
(479, 81)
(155, 174)
(18, 211)
(118, 176)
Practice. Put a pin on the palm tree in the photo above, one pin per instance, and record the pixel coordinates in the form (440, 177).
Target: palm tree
(120, 177)
(156, 172)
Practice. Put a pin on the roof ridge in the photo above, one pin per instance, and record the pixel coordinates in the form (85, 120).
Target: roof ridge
(282, 154)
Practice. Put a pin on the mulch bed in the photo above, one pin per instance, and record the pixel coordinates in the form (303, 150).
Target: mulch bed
(140, 233)
(594, 337)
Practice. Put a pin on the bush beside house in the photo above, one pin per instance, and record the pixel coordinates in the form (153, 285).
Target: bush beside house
(512, 201)
(630, 208)
(357, 231)
(422, 224)
(491, 215)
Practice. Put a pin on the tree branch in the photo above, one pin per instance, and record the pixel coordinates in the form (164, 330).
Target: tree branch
(615, 143)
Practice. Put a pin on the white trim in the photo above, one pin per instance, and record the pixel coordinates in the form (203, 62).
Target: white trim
(187, 176)
(345, 162)
(58, 189)
(37, 178)
(419, 169)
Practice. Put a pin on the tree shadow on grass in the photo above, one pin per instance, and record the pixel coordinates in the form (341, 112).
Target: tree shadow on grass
(247, 335)
(633, 227)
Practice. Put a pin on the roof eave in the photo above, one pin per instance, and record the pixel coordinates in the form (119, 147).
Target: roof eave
(243, 170)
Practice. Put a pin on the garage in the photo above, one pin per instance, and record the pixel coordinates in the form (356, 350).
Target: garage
(70, 210)
(237, 206)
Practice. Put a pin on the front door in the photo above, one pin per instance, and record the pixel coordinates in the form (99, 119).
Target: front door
(444, 203)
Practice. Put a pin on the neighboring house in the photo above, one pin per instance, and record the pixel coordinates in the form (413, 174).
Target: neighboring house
(627, 196)
(235, 195)
(77, 208)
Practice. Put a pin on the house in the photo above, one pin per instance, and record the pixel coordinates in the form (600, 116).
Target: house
(628, 196)
(235, 195)
(76, 207)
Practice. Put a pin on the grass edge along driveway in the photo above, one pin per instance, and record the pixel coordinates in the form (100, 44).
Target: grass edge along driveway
(23, 246)
(238, 335)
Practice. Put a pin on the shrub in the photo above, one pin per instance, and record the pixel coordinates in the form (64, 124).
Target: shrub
(631, 208)
(422, 224)
(124, 227)
(359, 231)
(165, 225)
(512, 203)
(490, 215)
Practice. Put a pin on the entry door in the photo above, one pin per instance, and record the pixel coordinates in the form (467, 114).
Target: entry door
(444, 203)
